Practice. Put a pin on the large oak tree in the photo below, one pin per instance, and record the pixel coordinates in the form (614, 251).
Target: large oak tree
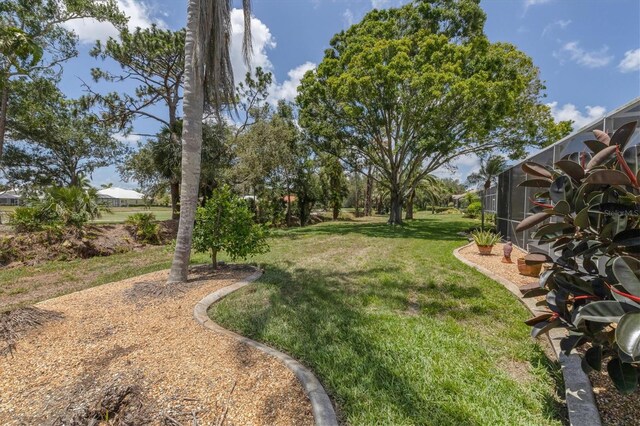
(411, 89)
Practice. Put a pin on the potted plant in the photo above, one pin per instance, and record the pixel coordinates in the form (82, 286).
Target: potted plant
(485, 240)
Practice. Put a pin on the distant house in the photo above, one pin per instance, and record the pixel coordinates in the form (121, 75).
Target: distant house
(9, 198)
(119, 197)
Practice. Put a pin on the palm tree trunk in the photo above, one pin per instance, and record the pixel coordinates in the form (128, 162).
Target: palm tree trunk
(193, 107)
(4, 103)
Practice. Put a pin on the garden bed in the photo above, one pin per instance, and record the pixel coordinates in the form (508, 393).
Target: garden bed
(139, 356)
(615, 409)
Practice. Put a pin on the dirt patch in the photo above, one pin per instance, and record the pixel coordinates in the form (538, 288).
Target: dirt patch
(96, 240)
(15, 324)
(150, 360)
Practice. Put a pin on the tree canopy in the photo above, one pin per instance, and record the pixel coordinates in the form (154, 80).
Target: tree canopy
(411, 89)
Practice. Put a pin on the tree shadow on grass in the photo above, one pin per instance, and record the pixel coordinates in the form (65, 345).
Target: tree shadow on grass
(345, 331)
(426, 228)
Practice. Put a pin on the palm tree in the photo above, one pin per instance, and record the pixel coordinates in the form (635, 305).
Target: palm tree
(490, 168)
(208, 79)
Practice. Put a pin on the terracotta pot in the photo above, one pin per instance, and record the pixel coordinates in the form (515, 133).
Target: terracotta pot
(485, 250)
(529, 270)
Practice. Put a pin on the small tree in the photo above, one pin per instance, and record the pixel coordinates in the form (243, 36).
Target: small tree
(488, 173)
(225, 223)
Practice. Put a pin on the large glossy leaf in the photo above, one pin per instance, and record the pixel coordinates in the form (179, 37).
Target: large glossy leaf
(631, 158)
(628, 334)
(629, 240)
(535, 183)
(593, 358)
(623, 134)
(626, 269)
(617, 224)
(582, 218)
(552, 231)
(544, 327)
(602, 136)
(608, 177)
(535, 169)
(562, 208)
(605, 311)
(545, 276)
(571, 168)
(615, 209)
(601, 157)
(561, 189)
(595, 146)
(573, 284)
(535, 320)
(570, 342)
(532, 221)
(624, 376)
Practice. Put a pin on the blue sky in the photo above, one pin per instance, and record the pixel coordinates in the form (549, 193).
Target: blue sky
(588, 51)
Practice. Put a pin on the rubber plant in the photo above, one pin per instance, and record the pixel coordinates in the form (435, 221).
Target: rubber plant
(592, 223)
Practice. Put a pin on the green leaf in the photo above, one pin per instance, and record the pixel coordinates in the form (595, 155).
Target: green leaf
(535, 169)
(532, 221)
(629, 240)
(535, 183)
(571, 168)
(601, 157)
(552, 231)
(626, 269)
(544, 327)
(623, 134)
(562, 208)
(605, 311)
(593, 358)
(602, 136)
(608, 177)
(628, 334)
(595, 146)
(582, 219)
(624, 376)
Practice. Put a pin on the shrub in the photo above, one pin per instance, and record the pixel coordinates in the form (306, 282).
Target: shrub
(485, 238)
(225, 223)
(473, 210)
(593, 287)
(57, 208)
(146, 228)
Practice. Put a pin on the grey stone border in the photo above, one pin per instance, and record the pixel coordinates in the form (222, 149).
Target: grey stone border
(323, 412)
(581, 403)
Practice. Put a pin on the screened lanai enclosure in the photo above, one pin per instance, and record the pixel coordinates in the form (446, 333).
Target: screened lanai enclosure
(511, 203)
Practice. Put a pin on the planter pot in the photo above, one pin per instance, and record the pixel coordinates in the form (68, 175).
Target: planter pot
(484, 250)
(529, 270)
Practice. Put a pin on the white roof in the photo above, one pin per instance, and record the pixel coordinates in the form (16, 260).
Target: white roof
(126, 194)
(9, 194)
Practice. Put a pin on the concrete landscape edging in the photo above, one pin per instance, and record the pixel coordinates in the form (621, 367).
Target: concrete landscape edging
(323, 412)
(581, 403)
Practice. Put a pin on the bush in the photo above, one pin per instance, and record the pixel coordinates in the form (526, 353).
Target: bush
(57, 208)
(225, 223)
(146, 228)
(473, 210)
(593, 287)
(485, 238)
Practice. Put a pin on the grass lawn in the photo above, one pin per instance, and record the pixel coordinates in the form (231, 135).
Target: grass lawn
(116, 215)
(396, 328)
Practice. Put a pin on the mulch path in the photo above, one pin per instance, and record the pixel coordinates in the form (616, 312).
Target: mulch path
(122, 354)
(615, 409)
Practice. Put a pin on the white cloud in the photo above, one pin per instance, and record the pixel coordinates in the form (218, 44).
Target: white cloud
(630, 62)
(589, 59)
(90, 30)
(288, 90)
(459, 168)
(570, 112)
(560, 23)
(128, 139)
(348, 18)
(528, 3)
(262, 40)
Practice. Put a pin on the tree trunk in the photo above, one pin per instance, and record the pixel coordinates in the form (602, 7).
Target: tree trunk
(175, 193)
(193, 107)
(395, 215)
(336, 211)
(4, 103)
(409, 213)
(368, 200)
(357, 193)
(214, 259)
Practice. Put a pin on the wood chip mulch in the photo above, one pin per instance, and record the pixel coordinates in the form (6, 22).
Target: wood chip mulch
(121, 354)
(615, 409)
